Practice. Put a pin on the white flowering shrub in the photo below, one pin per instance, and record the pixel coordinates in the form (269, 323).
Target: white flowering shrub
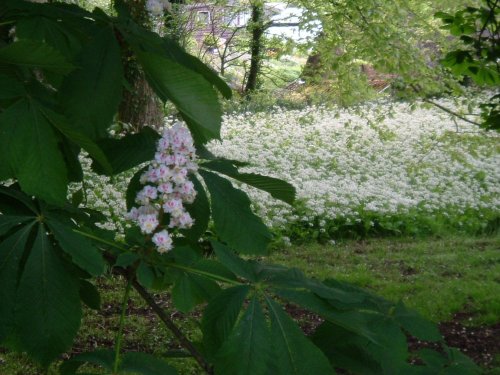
(414, 170)
(410, 171)
(104, 194)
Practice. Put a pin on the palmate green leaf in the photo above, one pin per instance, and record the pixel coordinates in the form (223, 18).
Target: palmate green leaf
(277, 188)
(129, 151)
(57, 10)
(145, 275)
(192, 95)
(90, 295)
(33, 54)
(219, 317)
(78, 138)
(30, 148)
(50, 31)
(368, 300)
(416, 324)
(9, 222)
(11, 252)
(240, 267)
(214, 269)
(354, 320)
(90, 95)
(176, 53)
(79, 248)
(134, 186)
(248, 350)
(235, 223)
(48, 310)
(101, 357)
(199, 211)
(14, 202)
(293, 353)
(355, 353)
(460, 364)
(130, 363)
(41, 290)
(293, 279)
(10, 87)
(190, 290)
(345, 350)
(150, 41)
(145, 364)
(126, 259)
(71, 153)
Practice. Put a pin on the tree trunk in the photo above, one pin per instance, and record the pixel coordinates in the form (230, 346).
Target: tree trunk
(140, 106)
(314, 64)
(257, 28)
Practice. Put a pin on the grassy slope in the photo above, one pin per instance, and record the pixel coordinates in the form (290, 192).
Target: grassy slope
(438, 277)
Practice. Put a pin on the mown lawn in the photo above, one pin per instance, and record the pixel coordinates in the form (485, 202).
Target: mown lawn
(438, 277)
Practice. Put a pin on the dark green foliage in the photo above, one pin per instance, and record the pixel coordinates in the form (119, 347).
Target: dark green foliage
(478, 28)
(293, 352)
(29, 148)
(33, 54)
(145, 364)
(129, 151)
(41, 288)
(79, 248)
(101, 357)
(190, 290)
(279, 189)
(220, 316)
(90, 295)
(234, 221)
(199, 211)
(247, 350)
(131, 363)
(47, 303)
(90, 95)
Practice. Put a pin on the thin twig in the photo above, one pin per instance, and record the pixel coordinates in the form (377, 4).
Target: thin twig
(443, 108)
(449, 111)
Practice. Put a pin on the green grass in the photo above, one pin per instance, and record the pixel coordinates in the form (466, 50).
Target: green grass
(437, 277)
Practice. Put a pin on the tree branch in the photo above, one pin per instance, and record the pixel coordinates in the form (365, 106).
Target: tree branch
(444, 109)
(129, 274)
(172, 327)
(449, 111)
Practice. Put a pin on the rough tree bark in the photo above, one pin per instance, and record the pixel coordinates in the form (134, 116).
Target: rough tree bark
(140, 106)
(257, 28)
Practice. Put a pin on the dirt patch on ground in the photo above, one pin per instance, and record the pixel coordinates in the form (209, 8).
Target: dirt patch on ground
(481, 343)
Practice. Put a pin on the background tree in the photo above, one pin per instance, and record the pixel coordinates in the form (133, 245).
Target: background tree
(399, 38)
(478, 55)
(140, 106)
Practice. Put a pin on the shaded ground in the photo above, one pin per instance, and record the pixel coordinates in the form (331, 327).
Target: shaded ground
(437, 277)
(481, 344)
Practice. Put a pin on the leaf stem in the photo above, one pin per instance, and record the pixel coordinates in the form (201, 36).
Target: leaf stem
(119, 334)
(202, 273)
(99, 239)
